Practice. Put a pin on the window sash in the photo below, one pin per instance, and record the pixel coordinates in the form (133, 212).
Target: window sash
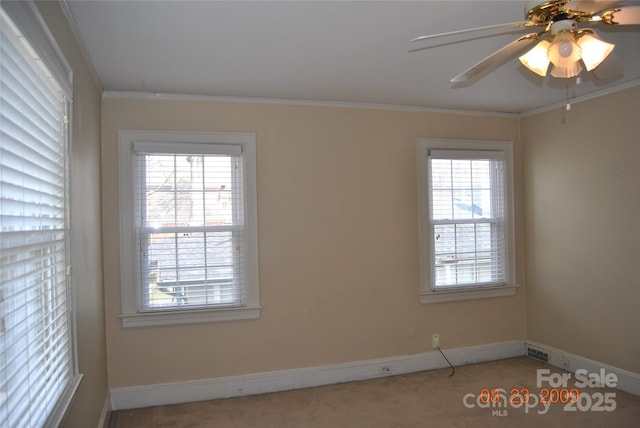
(468, 242)
(38, 371)
(195, 265)
(467, 264)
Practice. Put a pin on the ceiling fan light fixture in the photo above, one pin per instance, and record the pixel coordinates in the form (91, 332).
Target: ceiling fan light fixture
(536, 59)
(594, 50)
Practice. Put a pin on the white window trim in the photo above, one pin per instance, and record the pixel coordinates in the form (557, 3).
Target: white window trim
(427, 293)
(131, 316)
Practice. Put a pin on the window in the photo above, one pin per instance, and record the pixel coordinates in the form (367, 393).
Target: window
(189, 235)
(466, 220)
(38, 370)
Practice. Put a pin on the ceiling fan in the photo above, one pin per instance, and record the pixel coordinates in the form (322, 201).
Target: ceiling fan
(559, 45)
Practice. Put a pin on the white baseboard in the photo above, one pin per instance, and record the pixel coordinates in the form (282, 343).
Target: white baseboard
(106, 412)
(283, 380)
(627, 381)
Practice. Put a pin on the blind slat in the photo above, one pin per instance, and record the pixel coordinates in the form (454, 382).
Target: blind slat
(42, 195)
(33, 175)
(36, 149)
(26, 81)
(465, 154)
(27, 119)
(150, 147)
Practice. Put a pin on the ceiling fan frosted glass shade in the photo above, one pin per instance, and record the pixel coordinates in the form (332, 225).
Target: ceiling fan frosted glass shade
(564, 51)
(571, 70)
(594, 51)
(536, 59)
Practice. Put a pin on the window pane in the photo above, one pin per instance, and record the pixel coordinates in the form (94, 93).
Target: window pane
(220, 180)
(461, 174)
(441, 200)
(442, 204)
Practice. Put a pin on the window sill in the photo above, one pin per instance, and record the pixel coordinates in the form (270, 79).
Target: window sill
(60, 411)
(467, 294)
(152, 319)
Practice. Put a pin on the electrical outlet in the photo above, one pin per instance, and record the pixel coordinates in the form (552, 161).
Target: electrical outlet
(435, 340)
(386, 370)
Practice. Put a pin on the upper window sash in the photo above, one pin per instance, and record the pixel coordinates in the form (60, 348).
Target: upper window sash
(496, 186)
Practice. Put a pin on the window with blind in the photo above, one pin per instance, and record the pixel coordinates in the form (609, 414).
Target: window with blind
(466, 219)
(38, 372)
(191, 202)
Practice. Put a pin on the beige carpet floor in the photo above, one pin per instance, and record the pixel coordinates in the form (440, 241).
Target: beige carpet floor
(423, 399)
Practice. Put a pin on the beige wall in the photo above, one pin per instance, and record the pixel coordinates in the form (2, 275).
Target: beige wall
(582, 214)
(86, 244)
(338, 243)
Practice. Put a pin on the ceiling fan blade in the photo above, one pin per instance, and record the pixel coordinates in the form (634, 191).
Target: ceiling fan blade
(629, 15)
(507, 27)
(498, 58)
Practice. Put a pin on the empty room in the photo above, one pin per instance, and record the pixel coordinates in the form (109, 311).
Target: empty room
(319, 214)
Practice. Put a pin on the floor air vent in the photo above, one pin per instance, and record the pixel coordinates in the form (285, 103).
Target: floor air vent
(537, 354)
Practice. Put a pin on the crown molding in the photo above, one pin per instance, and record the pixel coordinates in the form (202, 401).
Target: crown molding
(358, 105)
(582, 98)
(294, 102)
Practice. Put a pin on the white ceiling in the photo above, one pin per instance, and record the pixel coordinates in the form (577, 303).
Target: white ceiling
(337, 51)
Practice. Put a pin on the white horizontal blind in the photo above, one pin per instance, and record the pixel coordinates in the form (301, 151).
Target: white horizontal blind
(190, 231)
(36, 349)
(468, 218)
